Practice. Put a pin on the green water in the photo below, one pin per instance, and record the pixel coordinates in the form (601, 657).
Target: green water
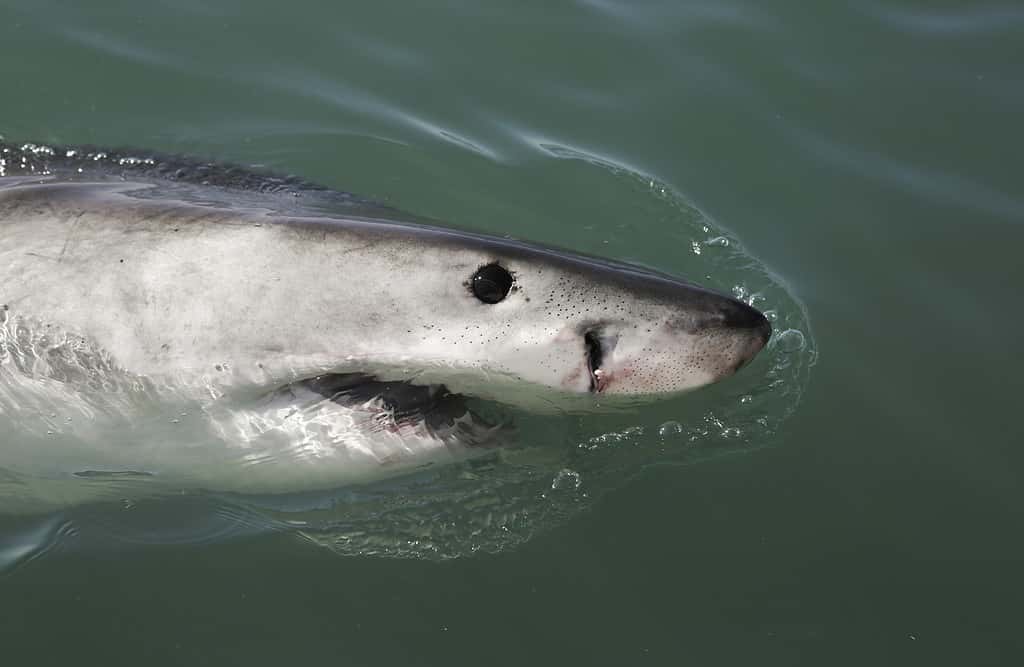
(868, 155)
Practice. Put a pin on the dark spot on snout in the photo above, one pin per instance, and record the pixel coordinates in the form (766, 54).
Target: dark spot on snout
(725, 313)
(746, 318)
(741, 316)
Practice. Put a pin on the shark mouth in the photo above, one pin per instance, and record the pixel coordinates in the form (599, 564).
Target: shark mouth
(401, 404)
(592, 345)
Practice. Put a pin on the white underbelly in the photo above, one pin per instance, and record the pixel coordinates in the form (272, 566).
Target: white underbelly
(68, 412)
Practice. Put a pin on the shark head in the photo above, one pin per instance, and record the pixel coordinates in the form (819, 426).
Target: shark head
(487, 314)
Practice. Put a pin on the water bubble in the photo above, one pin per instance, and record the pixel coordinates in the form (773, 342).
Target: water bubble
(566, 479)
(670, 428)
(790, 340)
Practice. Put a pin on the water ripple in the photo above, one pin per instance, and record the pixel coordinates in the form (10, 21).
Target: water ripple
(20, 546)
(119, 47)
(978, 20)
(352, 99)
(931, 184)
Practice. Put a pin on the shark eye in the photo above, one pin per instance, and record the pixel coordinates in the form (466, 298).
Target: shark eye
(491, 283)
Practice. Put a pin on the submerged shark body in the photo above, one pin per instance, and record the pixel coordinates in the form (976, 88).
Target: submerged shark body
(231, 330)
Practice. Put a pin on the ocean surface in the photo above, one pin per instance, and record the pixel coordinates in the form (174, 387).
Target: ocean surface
(856, 496)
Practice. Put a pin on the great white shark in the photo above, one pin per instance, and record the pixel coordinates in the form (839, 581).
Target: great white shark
(218, 327)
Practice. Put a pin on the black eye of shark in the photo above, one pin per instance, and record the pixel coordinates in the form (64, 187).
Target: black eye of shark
(491, 283)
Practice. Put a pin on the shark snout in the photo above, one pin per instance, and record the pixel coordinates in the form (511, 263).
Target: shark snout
(749, 326)
(747, 318)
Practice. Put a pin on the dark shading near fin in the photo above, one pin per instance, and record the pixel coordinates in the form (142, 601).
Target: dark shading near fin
(84, 162)
(433, 404)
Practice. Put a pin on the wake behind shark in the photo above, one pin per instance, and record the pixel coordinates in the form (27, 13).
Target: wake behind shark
(226, 329)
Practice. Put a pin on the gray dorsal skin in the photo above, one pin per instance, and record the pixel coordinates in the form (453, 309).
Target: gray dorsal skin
(85, 162)
(314, 332)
